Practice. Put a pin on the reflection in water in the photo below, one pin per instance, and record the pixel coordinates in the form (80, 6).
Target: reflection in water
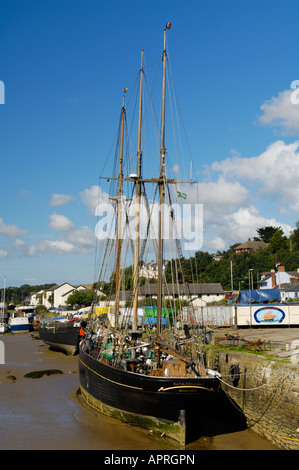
(226, 417)
(47, 413)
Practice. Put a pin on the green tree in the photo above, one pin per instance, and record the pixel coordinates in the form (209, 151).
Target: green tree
(265, 233)
(294, 238)
(81, 298)
(51, 299)
(278, 242)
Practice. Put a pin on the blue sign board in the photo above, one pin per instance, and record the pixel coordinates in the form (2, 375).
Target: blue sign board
(269, 315)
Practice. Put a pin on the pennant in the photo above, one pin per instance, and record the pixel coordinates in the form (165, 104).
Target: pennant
(168, 25)
(183, 195)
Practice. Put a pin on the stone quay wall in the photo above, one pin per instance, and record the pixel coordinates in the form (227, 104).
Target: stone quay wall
(266, 391)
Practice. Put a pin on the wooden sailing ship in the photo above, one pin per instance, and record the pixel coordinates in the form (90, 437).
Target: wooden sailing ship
(62, 336)
(152, 379)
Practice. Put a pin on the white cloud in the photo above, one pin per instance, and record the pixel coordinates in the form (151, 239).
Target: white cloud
(274, 171)
(241, 194)
(60, 222)
(75, 241)
(3, 254)
(93, 196)
(60, 199)
(217, 195)
(17, 247)
(176, 169)
(83, 240)
(282, 111)
(31, 250)
(24, 193)
(222, 194)
(246, 220)
(215, 244)
(11, 231)
(236, 227)
(57, 246)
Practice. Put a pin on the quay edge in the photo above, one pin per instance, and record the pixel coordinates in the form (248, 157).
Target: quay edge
(267, 392)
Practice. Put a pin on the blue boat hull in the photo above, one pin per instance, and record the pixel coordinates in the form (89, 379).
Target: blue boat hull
(19, 328)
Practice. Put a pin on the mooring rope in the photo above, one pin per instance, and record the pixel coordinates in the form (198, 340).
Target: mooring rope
(241, 389)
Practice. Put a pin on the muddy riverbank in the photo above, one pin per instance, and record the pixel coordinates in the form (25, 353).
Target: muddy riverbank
(46, 413)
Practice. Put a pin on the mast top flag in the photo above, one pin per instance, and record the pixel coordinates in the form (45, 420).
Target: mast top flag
(168, 25)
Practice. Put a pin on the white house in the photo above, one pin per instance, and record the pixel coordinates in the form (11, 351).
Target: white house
(42, 297)
(200, 293)
(271, 279)
(60, 294)
(289, 292)
(150, 270)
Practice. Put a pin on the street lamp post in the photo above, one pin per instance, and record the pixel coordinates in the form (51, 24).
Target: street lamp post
(250, 294)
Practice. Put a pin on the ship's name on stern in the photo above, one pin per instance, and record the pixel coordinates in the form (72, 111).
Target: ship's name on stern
(183, 384)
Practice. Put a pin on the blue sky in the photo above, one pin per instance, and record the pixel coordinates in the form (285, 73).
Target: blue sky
(64, 65)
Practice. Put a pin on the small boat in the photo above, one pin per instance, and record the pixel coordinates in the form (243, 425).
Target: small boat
(152, 377)
(61, 335)
(18, 322)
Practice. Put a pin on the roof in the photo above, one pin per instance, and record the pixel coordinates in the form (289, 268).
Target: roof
(293, 287)
(183, 289)
(53, 287)
(251, 244)
(267, 274)
(76, 289)
(124, 295)
(86, 286)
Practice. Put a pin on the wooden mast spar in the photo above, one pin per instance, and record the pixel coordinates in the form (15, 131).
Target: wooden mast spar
(161, 193)
(161, 181)
(138, 195)
(119, 218)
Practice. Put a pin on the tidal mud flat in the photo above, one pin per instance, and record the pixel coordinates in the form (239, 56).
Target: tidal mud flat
(46, 413)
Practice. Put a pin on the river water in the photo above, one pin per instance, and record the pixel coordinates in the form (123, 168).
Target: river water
(47, 413)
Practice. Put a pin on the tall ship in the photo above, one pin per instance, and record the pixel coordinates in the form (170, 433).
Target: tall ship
(62, 335)
(146, 370)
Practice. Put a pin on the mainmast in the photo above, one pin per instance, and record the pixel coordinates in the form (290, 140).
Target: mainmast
(138, 196)
(161, 190)
(161, 181)
(119, 216)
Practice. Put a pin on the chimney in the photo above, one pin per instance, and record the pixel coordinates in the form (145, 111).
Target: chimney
(281, 268)
(273, 278)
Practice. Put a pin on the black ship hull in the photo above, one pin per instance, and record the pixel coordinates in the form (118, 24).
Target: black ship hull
(62, 337)
(168, 405)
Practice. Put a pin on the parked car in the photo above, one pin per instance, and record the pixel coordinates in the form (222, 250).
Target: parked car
(55, 310)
